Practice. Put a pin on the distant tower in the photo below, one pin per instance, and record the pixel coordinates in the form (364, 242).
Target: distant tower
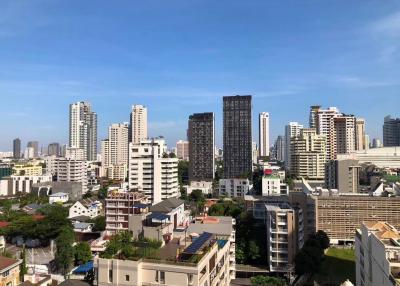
(138, 124)
(53, 149)
(35, 146)
(263, 134)
(291, 130)
(237, 136)
(17, 148)
(83, 129)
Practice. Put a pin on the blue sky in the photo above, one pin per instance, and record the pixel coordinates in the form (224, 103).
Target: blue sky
(181, 57)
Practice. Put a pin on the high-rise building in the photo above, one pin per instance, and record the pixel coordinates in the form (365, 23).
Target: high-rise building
(114, 151)
(254, 152)
(17, 148)
(182, 150)
(345, 134)
(376, 143)
(391, 132)
(360, 135)
(291, 130)
(308, 155)
(201, 135)
(53, 149)
(151, 172)
(29, 153)
(35, 146)
(83, 129)
(263, 133)
(237, 136)
(70, 170)
(138, 124)
(343, 175)
(280, 148)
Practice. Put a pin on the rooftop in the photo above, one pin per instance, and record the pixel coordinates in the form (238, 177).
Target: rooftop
(167, 205)
(6, 262)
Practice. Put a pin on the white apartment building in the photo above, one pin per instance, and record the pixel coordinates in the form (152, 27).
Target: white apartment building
(377, 255)
(12, 185)
(83, 129)
(272, 185)
(75, 153)
(69, 170)
(138, 127)
(263, 133)
(234, 188)
(151, 171)
(291, 130)
(182, 150)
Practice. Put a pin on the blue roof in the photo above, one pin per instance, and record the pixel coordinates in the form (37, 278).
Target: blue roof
(198, 243)
(84, 268)
(158, 216)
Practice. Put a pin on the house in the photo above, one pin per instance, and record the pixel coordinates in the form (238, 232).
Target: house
(86, 207)
(83, 227)
(175, 210)
(58, 198)
(9, 271)
(37, 280)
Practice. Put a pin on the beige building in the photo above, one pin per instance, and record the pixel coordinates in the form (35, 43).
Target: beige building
(9, 271)
(308, 155)
(182, 150)
(361, 141)
(114, 151)
(151, 171)
(377, 254)
(263, 133)
(345, 134)
(343, 175)
(138, 127)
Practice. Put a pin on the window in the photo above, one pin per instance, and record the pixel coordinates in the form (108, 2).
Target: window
(162, 277)
(126, 277)
(190, 279)
(110, 275)
(6, 273)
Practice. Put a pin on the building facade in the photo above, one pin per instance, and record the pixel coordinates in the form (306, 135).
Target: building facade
(343, 175)
(35, 146)
(151, 171)
(83, 129)
(391, 131)
(138, 124)
(234, 188)
(17, 148)
(361, 140)
(182, 150)
(292, 130)
(263, 133)
(237, 137)
(54, 149)
(201, 135)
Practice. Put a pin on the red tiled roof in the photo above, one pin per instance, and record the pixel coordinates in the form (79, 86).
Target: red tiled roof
(38, 217)
(7, 262)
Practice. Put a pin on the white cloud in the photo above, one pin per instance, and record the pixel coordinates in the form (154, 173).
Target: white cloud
(388, 26)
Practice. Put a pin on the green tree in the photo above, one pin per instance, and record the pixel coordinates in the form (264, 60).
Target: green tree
(323, 239)
(99, 223)
(183, 172)
(253, 250)
(82, 252)
(102, 194)
(266, 281)
(64, 257)
(23, 268)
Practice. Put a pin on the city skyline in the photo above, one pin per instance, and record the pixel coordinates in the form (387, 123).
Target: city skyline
(347, 59)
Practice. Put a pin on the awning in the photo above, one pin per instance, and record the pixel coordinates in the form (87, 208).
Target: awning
(84, 268)
(140, 206)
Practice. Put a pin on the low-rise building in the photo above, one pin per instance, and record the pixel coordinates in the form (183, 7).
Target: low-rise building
(29, 169)
(85, 207)
(12, 185)
(377, 254)
(206, 187)
(272, 185)
(9, 271)
(234, 188)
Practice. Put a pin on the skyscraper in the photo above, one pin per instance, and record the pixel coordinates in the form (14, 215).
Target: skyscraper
(35, 146)
(391, 131)
(345, 134)
(17, 148)
(360, 134)
(237, 136)
(83, 129)
(53, 149)
(263, 133)
(280, 148)
(201, 133)
(291, 130)
(138, 124)
(182, 150)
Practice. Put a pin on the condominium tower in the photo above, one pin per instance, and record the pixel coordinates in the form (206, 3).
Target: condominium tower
(182, 150)
(17, 148)
(35, 146)
(201, 133)
(292, 130)
(391, 132)
(83, 129)
(138, 124)
(237, 136)
(263, 133)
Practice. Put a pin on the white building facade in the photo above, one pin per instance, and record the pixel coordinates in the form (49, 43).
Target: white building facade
(263, 143)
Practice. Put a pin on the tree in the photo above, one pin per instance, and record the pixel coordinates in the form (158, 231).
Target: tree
(323, 239)
(103, 192)
(65, 252)
(99, 223)
(82, 252)
(183, 172)
(23, 268)
(266, 281)
(253, 250)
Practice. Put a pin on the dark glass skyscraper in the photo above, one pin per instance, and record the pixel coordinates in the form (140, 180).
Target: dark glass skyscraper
(201, 137)
(17, 148)
(237, 136)
(391, 132)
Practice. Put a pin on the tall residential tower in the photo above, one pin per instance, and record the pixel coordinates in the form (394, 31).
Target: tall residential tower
(138, 124)
(263, 133)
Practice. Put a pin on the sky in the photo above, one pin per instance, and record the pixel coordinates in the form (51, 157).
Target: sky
(182, 57)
